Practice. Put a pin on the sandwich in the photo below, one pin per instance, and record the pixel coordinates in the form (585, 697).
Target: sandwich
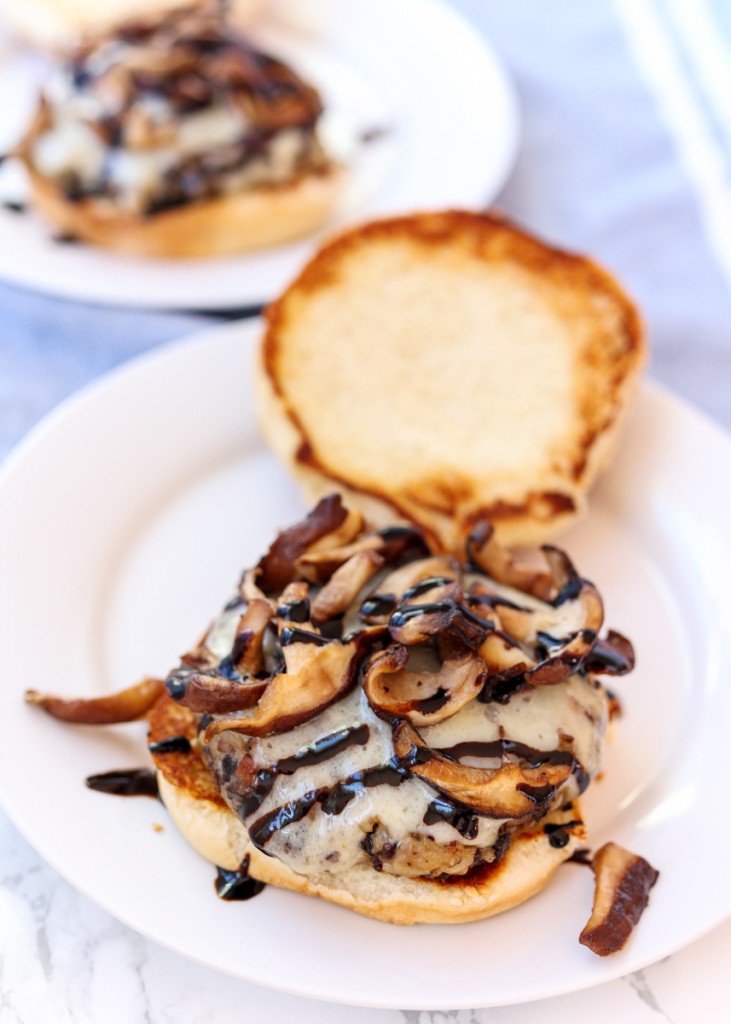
(398, 731)
(444, 368)
(174, 136)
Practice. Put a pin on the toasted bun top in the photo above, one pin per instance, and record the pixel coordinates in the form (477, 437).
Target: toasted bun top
(451, 367)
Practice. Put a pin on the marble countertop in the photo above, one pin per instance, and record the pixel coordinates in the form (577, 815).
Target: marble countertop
(599, 85)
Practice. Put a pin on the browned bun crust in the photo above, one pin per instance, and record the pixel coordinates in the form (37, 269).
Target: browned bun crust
(359, 351)
(228, 224)
(191, 796)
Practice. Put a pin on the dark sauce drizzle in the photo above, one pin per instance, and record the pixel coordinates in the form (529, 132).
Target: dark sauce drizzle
(404, 615)
(437, 700)
(295, 635)
(381, 604)
(540, 795)
(493, 601)
(176, 683)
(568, 592)
(534, 757)
(613, 654)
(295, 611)
(558, 835)
(226, 667)
(131, 782)
(424, 586)
(237, 885)
(461, 818)
(500, 747)
(332, 800)
(321, 750)
(400, 533)
(582, 856)
(170, 745)
(411, 541)
(335, 799)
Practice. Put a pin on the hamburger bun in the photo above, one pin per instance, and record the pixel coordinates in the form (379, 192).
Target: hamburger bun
(222, 226)
(447, 367)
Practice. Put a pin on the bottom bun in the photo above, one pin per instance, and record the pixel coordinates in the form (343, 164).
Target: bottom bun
(249, 219)
(190, 793)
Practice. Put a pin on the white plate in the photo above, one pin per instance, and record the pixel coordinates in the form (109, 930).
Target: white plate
(412, 67)
(124, 521)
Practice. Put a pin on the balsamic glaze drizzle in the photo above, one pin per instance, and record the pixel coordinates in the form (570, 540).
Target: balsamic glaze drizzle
(170, 745)
(465, 821)
(130, 782)
(558, 835)
(295, 611)
(237, 885)
(381, 604)
(294, 635)
(321, 750)
(403, 615)
(568, 592)
(498, 748)
(425, 585)
(332, 800)
(583, 856)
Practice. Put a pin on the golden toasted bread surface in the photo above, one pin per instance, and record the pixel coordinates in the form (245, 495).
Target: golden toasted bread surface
(182, 769)
(447, 367)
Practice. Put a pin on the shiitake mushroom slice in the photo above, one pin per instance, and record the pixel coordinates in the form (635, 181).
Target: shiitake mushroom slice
(505, 792)
(293, 698)
(622, 884)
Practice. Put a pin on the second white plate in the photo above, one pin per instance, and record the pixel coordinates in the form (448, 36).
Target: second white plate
(413, 68)
(124, 521)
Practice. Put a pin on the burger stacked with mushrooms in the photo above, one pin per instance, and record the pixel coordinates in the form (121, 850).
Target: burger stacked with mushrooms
(170, 111)
(397, 730)
(164, 111)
